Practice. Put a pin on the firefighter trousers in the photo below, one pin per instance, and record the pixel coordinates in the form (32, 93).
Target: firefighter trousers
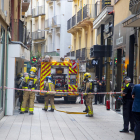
(28, 96)
(47, 97)
(89, 99)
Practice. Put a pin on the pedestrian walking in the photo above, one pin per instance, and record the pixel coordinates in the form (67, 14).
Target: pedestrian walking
(127, 106)
(102, 85)
(136, 110)
(49, 86)
(98, 90)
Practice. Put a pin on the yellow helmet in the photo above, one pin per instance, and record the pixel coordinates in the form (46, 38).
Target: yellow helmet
(19, 75)
(87, 76)
(33, 69)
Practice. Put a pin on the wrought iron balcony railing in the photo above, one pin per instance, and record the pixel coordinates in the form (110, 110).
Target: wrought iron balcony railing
(37, 35)
(35, 12)
(56, 21)
(79, 16)
(89, 11)
(41, 10)
(69, 24)
(48, 23)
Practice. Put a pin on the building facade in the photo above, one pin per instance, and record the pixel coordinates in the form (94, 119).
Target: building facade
(47, 27)
(4, 23)
(126, 45)
(13, 50)
(80, 25)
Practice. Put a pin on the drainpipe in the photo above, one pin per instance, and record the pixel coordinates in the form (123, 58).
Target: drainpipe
(12, 18)
(7, 44)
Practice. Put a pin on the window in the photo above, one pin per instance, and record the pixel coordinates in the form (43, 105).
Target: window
(2, 5)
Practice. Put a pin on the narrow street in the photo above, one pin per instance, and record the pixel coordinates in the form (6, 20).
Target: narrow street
(105, 125)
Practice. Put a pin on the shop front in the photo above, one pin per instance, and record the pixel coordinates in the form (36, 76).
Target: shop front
(124, 56)
(104, 24)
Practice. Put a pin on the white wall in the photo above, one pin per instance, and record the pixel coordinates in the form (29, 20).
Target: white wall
(22, 54)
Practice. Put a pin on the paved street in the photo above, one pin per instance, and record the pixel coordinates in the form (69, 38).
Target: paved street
(105, 125)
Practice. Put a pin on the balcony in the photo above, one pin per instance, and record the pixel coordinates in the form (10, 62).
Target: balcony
(102, 15)
(18, 31)
(48, 23)
(56, 21)
(83, 17)
(29, 12)
(41, 10)
(35, 12)
(38, 35)
(25, 5)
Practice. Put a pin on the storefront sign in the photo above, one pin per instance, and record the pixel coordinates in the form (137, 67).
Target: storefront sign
(106, 30)
(94, 62)
(82, 67)
(108, 35)
(119, 41)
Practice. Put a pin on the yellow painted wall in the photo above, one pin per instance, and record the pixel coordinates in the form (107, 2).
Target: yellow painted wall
(83, 32)
(121, 9)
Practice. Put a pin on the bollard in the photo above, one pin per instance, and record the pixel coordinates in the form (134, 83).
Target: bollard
(108, 105)
(82, 99)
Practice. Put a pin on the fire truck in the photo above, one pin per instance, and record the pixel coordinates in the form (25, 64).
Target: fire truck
(65, 78)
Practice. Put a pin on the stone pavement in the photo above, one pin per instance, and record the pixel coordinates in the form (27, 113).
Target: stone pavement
(105, 125)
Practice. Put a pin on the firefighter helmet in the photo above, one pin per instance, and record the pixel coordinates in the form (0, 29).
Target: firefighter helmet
(48, 78)
(87, 76)
(33, 69)
(19, 75)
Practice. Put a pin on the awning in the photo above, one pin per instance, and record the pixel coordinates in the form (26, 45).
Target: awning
(132, 22)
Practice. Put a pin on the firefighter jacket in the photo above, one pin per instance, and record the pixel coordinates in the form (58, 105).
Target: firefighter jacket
(49, 86)
(30, 82)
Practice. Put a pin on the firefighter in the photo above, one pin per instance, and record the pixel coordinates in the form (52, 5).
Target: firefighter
(49, 86)
(27, 105)
(89, 97)
(19, 94)
(30, 82)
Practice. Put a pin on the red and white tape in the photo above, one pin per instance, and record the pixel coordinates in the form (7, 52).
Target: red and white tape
(53, 92)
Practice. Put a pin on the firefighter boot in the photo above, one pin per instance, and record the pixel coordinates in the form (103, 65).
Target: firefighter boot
(31, 113)
(89, 115)
(21, 112)
(44, 109)
(51, 110)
